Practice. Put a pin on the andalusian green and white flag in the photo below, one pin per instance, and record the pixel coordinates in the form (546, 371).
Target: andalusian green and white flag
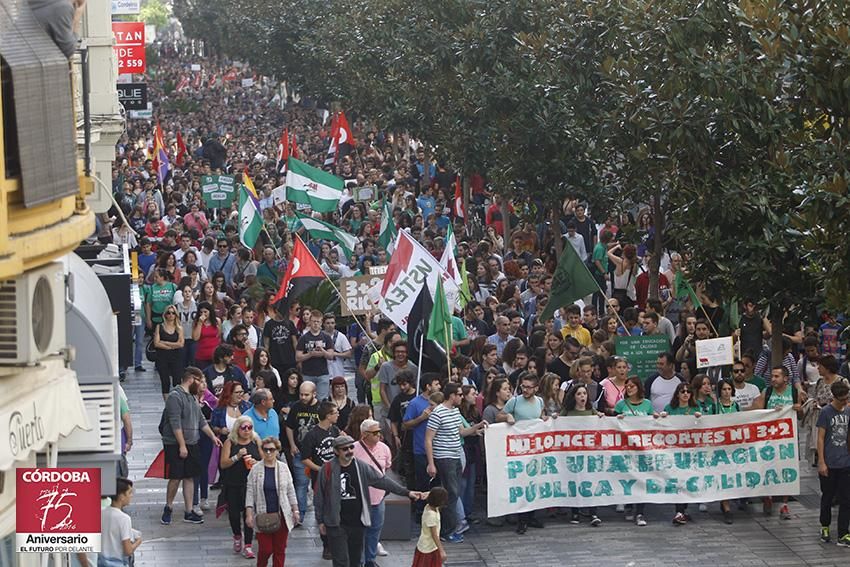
(449, 263)
(311, 186)
(320, 229)
(388, 233)
(250, 220)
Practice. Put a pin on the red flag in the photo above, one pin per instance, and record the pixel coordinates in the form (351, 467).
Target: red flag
(283, 149)
(184, 82)
(345, 141)
(458, 206)
(293, 148)
(302, 273)
(197, 82)
(213, 80)
(230, 75)
(181, 150)
(157, 467)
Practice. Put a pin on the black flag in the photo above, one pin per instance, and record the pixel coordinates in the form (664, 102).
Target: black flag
(433, 355)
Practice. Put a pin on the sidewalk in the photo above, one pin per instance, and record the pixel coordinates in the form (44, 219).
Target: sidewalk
(753, 540)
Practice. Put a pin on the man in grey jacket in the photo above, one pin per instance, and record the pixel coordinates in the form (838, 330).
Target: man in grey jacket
(342, 501)
(180, 427)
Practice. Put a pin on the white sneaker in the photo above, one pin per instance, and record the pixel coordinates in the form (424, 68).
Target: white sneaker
(205, 504)
(703, 507)
(381, 551)
(197, 510)
(640, 520)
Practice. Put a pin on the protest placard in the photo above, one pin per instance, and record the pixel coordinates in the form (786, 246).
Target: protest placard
(218, 190)
(354, 294)
(588, 461)
(642, 352)
(715, 352)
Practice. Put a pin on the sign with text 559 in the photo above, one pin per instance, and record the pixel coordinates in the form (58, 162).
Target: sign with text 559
(130, 46)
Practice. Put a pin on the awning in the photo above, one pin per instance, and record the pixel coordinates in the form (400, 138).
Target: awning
(39, 405)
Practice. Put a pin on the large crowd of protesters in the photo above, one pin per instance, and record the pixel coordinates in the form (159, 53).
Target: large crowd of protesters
(275, 415)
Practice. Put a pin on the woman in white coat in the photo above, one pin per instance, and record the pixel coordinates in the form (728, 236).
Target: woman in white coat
(271, 490)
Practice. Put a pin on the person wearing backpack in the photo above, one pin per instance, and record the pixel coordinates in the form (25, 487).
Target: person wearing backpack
(778, 395)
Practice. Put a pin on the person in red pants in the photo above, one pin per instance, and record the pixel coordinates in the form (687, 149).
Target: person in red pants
(271, 491)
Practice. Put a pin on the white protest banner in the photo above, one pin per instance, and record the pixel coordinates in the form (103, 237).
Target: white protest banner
(249, 82)
(354, 294)
(588, 461)
(410, 266)
(715, 352)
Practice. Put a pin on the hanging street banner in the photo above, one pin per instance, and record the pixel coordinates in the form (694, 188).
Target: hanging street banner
(642, 352)
(126, 7)
(218, 190)
(354, 294)
(134, 96)
(591, 461)
(129, 46)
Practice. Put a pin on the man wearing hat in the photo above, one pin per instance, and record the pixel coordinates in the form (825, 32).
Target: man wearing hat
(376, 454)
(342, 503)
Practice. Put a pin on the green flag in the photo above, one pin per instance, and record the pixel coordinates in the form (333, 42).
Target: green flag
(571, 281)
(465, 294)
(682, 287)
(386, 237)
(320, 229)
(250, 220)
(311, 186)
(440, 323)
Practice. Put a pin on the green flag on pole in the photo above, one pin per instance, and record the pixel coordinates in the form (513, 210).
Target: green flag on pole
(682, 288)
(311, 186)
(250, 220)
(465, 294)
(388, 232)
(440, 323)
(571, 281)
(320, 229)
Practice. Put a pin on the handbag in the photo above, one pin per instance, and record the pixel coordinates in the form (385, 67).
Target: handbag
(150, 350)
(267, 523)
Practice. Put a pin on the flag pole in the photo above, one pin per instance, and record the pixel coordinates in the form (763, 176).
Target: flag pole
(419, 367)
(608, 303)
(448, 351)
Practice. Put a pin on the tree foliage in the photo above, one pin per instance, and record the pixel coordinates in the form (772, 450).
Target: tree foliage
(730, 119)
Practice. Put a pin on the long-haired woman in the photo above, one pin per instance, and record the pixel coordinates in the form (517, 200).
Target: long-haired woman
(241, 451)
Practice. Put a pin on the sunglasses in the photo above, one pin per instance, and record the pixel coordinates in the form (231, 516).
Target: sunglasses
(246, 427)
(269, 450)
(347, 448)
(685, 392)
(375, 433)
(738, 370)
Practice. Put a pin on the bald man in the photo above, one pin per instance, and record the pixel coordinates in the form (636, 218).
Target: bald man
(303, 416)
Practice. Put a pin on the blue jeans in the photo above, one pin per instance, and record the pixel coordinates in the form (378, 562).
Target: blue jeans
(189, 348)
(373, 533)
(301, 484)
(449, 473)
(202, 481)
(467, 488)
(138, 344)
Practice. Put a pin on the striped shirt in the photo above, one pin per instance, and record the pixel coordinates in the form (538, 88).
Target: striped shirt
(446, 424)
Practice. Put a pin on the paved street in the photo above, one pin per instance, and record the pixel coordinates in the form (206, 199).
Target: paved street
(752, 540)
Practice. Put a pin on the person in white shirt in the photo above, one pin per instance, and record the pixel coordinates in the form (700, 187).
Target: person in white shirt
(660, 387)
(119, 539)
(745, 393)
(342, 346)
(577, 241)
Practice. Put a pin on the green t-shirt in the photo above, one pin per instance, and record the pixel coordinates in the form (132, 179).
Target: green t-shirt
(758, 382)
(681, 410)
(707, 406)
(625, 407)
(458, 329)
(600, 253)
(721, 409)
(159, 297)
(523, 409)
(575, 412)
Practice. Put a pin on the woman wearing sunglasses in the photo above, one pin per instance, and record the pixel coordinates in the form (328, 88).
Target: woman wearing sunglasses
(634, 404)
(683, 403)
(238, 455)
(270, 491)
(168, 342)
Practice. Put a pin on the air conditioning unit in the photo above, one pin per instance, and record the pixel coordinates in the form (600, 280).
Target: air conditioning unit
(32, 315)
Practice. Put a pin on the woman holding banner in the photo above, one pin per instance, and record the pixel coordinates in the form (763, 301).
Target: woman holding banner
(634, 404)
(726, 404)
(683, 403)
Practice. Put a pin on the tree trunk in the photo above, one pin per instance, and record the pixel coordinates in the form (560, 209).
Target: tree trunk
(556, 230)
(466, 191)
(657, 244)
(776, 354)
